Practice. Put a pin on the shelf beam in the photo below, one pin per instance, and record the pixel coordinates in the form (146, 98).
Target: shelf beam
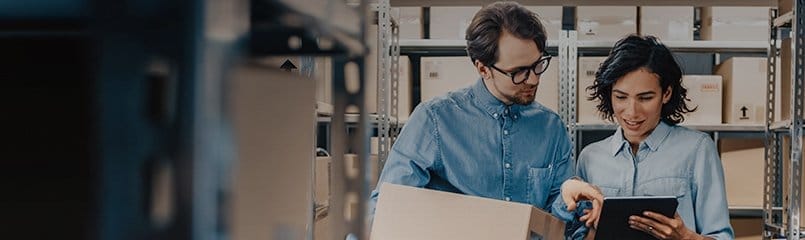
(428, 3)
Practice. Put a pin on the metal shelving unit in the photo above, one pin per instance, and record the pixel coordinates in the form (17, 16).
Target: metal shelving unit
(781, 201)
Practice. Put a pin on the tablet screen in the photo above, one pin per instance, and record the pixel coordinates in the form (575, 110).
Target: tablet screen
(614, 220)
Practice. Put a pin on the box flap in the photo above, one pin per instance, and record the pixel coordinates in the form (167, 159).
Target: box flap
(546, 225)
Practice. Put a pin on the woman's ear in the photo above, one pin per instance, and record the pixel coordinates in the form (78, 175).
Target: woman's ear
(666, 95)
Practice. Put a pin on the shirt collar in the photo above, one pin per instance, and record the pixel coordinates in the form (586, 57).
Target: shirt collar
(653, 140)
(493, 106)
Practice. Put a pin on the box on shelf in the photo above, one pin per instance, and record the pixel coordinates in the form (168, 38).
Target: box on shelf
(743, 160)
(587, 111)
(747, 228)
(784, 6)
(451, 22)
(744, 83)
(442, 215)
(351, 164)
(667, 23)
(704, 92)
(784, 89)
(735, 23)
(322, 229)
(551, 18)
(404, 90)
(605, 23)
(321, 192)
(410, 22)
(548, 90)
(440, 75)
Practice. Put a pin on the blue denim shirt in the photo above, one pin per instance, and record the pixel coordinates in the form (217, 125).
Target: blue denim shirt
(672, 160)
(469, 142)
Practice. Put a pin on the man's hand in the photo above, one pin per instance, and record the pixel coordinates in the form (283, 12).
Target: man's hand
(575, 190)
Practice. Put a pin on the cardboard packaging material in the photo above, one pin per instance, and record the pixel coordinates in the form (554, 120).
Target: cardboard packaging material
(784, 91)
(410, 22)
(322, 180)
(704, 91)
(551, 18)
(404, 90)
(548, 89)
(785, 6)
(667, 23)
(735, 23)
(744, 83)
(747, 228)
(742, 160)
(405, 212)
(605, 23)
(451, 22)
(441, 75)
(587, 111)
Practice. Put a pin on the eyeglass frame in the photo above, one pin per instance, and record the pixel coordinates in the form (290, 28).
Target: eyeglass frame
(529, 69)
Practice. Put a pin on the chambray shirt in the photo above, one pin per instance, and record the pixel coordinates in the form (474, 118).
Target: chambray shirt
(469, 142)
(672, 160)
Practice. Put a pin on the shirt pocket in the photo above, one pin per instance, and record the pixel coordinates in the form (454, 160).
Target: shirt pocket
(540, 185)
(666, 186)
(609, 191)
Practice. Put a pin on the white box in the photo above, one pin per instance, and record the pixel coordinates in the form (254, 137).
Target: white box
(551, 18)
(405, 212)
(451, 22)
(440, 75)
(605, 23)
(587, 111)
(735, 23)
(410, 22)
(742, 160)
(705, 93)
(667, 23)
(744, 89)
(548, 90)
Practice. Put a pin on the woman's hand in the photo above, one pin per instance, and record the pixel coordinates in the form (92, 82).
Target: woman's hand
(662, 227)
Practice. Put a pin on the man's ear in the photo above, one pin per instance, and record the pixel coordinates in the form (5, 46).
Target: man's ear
(482, 70)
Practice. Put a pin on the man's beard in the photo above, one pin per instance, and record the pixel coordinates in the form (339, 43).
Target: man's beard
(522, 99)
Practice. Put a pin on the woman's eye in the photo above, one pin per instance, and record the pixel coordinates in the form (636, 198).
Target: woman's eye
(620, 97)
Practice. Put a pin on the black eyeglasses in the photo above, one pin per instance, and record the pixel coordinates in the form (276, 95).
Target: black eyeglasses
(521, 74)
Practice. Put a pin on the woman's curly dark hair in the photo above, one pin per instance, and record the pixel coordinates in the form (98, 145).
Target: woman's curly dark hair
(634, 52)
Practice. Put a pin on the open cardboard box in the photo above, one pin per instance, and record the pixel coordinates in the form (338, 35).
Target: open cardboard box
(405, 212)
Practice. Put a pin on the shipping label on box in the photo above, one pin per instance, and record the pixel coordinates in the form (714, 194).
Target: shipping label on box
(705, 94)
(587, 110)
(605, 23)
(405, 212)
(441, 75)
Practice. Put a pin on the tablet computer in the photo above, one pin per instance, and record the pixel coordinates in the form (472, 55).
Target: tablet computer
(614, 220)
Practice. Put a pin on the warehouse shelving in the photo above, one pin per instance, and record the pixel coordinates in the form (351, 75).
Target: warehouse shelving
(782, 210)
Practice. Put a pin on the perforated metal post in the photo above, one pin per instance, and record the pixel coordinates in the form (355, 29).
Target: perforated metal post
(383, 77)
(796, 126)
(568, 49)
(772, 197)
(395, 84)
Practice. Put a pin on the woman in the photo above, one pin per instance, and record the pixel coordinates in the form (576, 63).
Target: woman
(639, 86)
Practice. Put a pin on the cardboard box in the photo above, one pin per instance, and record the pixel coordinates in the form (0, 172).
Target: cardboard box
(404, 90)
(735, 23)
(451, 22)
(441, 215)
(704, 91)
(587, 111)
(605, 23)
(784, 91)
(747, 228)
(410, 22)
(352, 163)
(322, 229)
(321, 191)
(440, 75)
(548, 90)
(274, 157)
(551, 18)
(744, 83)
(784, 6)
(667, 23)
(742, 160)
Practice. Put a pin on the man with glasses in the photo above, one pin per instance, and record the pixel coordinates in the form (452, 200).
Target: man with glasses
(492, 139)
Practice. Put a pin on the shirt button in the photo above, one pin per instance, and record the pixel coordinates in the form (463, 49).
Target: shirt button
(507, 165)
(495, 115)
(515, 116)
(508, 199)
(505, 132)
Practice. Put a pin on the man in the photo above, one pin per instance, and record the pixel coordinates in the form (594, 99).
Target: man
(492, 139)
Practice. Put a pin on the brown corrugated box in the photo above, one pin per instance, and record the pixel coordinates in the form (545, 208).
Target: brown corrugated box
(744, 89)
(587, 111)
(705, 92)
(548, 90)
(551, 18)
(747, 228)
(606, 23)
(440, 75)
(735, 23)
(667, 23)
(321, 190)
(451, 22)
(405, 212)
(742, 160)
